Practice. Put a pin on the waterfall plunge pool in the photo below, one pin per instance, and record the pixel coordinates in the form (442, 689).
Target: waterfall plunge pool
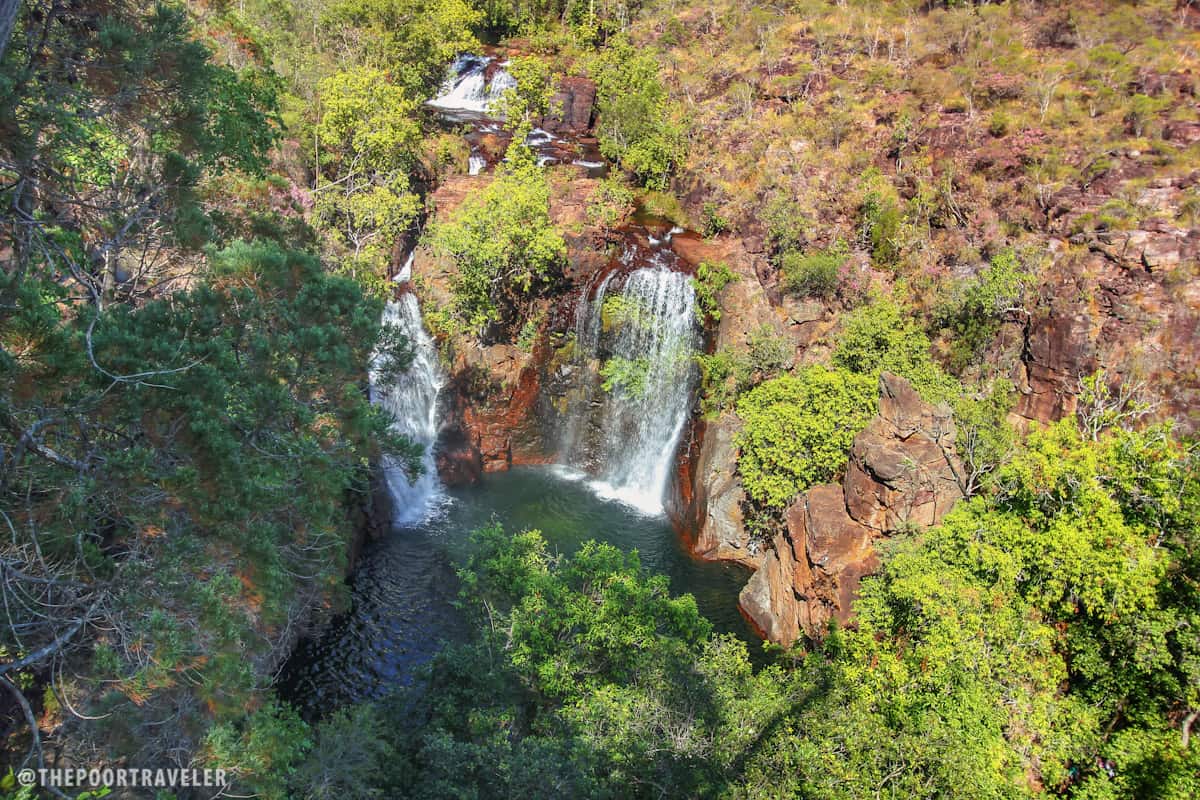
(403, 589)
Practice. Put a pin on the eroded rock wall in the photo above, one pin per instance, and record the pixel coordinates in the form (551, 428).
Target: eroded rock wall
(903, 474)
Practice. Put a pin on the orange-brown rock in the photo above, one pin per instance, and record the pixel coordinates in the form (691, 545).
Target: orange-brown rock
(571, 106)
(902, 473)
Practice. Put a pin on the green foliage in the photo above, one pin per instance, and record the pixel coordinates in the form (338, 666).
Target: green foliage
(413, 40)
(879, 338)
(722, 376)
(530, 98)
(1035, 643)
(262, 750)
(974, 312)
(710, 279)
(635, 125)
(714, 222)
(815, 274)
(350, 757)
(798, 430)
(625, 375)
(610, 203)
(589, 664)
(786, 224)
(369, 140)
(882, 216)
(768, 352)
(503, 245)
(985, 439)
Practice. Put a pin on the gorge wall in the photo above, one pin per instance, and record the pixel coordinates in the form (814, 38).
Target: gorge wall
(1123, 301)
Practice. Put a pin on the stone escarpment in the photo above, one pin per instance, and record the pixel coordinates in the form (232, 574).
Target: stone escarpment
(903, 473)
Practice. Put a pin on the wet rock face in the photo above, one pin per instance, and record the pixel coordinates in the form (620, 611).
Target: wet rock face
(571, 106)
(902, 473)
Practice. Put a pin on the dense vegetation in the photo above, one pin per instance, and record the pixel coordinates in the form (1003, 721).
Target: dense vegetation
(200, 205)
(1041, 640)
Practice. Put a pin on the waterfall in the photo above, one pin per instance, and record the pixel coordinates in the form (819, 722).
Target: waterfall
(475, 164)
(641, 416)
(410, 398)
(405, 273)
(467, 88)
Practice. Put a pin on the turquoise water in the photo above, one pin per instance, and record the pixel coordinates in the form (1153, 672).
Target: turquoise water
(404, 586)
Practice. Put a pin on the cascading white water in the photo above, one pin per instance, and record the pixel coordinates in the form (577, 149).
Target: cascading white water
(643, 427)
(641, 420)
(467, 88)
(475, 164)
(410, 398)
(405, 273)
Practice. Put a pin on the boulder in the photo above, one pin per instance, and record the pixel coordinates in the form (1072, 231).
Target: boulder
(767, 599)
(571, 106)
(720, 530)
(902, 472)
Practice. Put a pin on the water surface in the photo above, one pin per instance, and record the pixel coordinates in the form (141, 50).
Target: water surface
(404, 586)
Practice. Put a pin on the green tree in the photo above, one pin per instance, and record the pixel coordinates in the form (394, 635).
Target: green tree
(635, 125)
(413, 40)
(798, 430)
(879, 338)
(503, 245)
(368, 138)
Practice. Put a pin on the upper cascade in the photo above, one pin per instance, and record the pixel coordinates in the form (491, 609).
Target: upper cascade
(468, 88)
(411, 398)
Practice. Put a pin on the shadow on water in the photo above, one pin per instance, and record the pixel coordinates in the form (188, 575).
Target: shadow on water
(403, 590)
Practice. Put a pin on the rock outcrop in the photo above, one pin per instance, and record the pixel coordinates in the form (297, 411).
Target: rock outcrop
(571, 106)
(903, 472)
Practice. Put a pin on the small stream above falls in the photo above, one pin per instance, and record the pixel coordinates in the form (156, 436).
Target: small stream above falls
(617, 448)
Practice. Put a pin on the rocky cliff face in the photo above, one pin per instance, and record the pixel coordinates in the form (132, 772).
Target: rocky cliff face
(902, 474)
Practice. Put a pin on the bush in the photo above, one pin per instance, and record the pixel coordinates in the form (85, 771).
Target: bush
(710, 279)
(881, 216)
(816, 274)
(798, 431)
(974, 313)
(769, 353)
(625, 375)
(880, 338)
(503, 244)
(786, 224)
(609, 203)
(715, 223)
(722, 376)
(635, 126)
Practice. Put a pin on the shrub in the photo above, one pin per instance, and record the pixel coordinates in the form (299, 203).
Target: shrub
(710, 279)
(625, 375)
(974, 313)
(722, 376)
(635, 125)
(714, 222)
(881, 216)
(609, 203)
(503, 244)
(815, 274)
(1000, 124)
(798, 430)
(769, 353)
(786, 224)
(880, 338)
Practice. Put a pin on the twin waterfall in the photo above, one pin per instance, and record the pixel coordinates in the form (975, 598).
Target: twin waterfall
(636, 336)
